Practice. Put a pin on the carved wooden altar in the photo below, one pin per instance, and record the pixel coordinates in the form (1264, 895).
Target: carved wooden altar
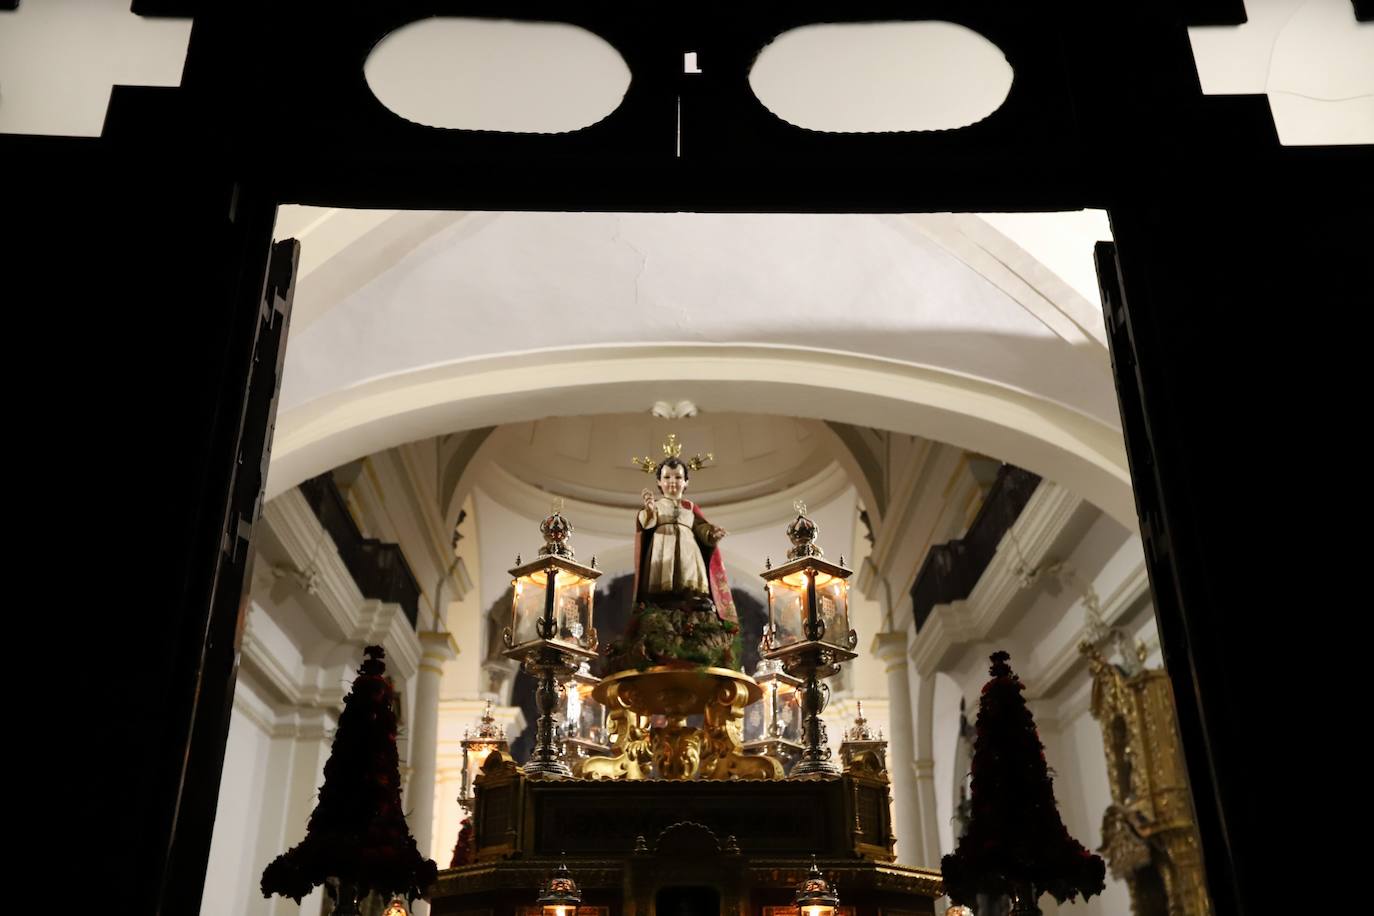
(673, 847)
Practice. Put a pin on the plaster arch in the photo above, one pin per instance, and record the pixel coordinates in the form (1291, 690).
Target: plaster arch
(1057, 442)
(861, 469)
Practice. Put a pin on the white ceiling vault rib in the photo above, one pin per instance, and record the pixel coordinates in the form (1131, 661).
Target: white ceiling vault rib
(1028, 282)
(411, 324)
(1040, 435)
(344, 250)
(407, 293)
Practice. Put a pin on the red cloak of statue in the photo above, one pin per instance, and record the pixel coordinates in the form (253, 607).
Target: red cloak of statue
(715, 567)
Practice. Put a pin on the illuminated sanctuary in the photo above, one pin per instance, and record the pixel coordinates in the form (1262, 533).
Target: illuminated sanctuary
(681, 678)
(682, 600)
(643, 793)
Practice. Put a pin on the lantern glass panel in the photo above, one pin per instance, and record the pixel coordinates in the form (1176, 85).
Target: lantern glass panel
(787, 610)
(572, 612)
(756, 719)
(528, 607)
(580, 715)
(789, 711)
(474, 756)
(832, 607)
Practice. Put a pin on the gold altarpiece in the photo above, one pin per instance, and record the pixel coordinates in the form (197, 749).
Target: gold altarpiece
(1149, 833)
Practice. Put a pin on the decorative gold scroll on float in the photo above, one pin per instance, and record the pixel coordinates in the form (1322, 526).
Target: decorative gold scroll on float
(672, 749)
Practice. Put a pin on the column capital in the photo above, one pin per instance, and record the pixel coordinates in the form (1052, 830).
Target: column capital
(890, 649)
(437, 645)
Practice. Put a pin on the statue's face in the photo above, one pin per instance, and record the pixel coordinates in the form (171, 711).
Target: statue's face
(672, 482)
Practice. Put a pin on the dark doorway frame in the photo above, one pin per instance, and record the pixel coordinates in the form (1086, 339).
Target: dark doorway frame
(168, 219)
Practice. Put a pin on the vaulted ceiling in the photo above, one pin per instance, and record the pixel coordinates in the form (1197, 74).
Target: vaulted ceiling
(982, 331)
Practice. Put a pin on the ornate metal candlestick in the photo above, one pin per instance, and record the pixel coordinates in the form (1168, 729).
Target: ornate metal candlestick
(808, 632)
(551, 631)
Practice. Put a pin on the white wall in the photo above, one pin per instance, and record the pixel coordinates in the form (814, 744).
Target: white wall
(231, 883)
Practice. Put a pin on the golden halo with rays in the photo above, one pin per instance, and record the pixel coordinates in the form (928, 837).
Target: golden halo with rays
(673, 449)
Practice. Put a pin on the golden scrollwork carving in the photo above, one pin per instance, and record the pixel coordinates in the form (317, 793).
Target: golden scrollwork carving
(677, 750)
(1149, 833)
(629, 737)
(723, 758)
(673, 749)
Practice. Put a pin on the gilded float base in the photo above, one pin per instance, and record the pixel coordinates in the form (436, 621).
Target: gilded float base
(672, 749)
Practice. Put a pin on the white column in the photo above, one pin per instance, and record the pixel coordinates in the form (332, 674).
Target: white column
(890, 649)
(300, 745)
(923, 769)
(312, 742)
(923, 763)
(435, 649)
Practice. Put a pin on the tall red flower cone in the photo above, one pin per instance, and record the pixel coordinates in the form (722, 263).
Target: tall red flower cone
(357, 833)
(1015, 843)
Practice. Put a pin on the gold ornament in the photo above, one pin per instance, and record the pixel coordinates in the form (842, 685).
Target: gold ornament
(673, 449)
(1150, 826)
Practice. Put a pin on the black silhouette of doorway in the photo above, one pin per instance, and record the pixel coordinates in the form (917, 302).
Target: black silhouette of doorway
(687, 901)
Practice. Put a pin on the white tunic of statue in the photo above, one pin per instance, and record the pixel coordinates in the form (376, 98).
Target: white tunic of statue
(675, 563)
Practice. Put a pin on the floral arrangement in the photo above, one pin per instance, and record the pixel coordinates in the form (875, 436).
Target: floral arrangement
(662, 634)
(357, 834)
(1015, 843)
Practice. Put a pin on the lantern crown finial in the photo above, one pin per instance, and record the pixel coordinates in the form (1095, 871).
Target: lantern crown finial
(815, 895)
(802, 533)
(556, 530)
(560, 894)
(859, 731)
(487, 727)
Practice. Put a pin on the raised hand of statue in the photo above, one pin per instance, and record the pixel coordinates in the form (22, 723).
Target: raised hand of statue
(647, 496)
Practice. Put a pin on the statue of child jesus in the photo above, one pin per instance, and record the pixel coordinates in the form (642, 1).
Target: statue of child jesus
(684, 612)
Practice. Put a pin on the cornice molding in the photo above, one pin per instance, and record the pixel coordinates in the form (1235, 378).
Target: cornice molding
(254, 708)
(315, 564)
(438, 646)
(954, 626)
(304, 715)
(889, 648)
(1063, 663)
(262, 666)
(335, 604)
(890, 538)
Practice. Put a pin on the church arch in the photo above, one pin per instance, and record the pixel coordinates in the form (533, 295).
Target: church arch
(1041, 435)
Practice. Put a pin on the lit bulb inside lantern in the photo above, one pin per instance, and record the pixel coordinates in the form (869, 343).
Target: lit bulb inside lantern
(798, 579)
(565, 578)
(396, 907)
